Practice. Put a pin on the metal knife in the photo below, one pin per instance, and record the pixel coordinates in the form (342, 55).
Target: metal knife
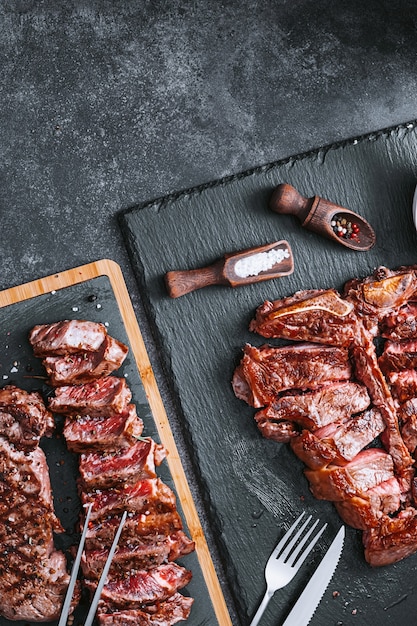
(310, 598)
(415, 208)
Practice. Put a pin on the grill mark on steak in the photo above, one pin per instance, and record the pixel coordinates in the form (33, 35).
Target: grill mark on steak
(138, 527)
(337, 443)
(368, 509)
(137, 555)
(24, 419)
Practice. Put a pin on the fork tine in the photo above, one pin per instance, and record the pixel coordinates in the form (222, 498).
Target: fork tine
(282, 543)
(292, 557)
(294, 539)
(310, 546)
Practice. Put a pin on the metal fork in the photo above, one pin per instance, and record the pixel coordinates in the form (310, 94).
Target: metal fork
(286, 559)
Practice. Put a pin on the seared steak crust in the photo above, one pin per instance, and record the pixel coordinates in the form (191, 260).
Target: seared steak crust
(24, 419)
(33, 576)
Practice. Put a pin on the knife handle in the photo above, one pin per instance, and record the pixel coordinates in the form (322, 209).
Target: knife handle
(180, 282)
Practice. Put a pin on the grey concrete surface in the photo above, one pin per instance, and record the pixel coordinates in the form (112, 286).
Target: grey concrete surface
(108, 104)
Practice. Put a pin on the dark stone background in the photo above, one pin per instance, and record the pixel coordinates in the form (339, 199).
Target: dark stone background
(104, 105)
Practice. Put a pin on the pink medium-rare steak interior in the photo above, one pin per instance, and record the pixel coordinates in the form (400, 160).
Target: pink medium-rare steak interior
(102, 398)
(118, 431)
(125, 465)
(83, 367)
(67, 337)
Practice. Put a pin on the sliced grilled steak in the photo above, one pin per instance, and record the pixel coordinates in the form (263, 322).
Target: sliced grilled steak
(84, 433)
(408, 424)
(24, 418)
(367, 510)
(320, 316)
(369, 468)
(376, 296)
(126, 465)
(282, 431)
(138, 555)
(369, 373)
(398, 356)
(401, 324)
(102, 398)
(338, 442)
(393, 540)
(138, 526)
(403, 385)
(267, 371)
(314, 452)
(311, 410)
(175, 609)
(67, 337)
(143, 587)
(85, 367)
(33, 576)
(145, 496)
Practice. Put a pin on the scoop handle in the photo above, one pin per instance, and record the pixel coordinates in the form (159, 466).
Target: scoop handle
(287, 200)
(180, 282)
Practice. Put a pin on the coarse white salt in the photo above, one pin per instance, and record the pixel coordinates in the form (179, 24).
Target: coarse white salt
(261, 262)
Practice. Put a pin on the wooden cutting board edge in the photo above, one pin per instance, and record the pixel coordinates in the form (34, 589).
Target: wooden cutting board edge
(109, 268)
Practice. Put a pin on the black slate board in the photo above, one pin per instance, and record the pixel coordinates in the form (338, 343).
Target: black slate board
(93, 300)
(256, 487)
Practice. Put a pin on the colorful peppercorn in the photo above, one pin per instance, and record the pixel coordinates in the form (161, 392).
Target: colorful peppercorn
(344, 228)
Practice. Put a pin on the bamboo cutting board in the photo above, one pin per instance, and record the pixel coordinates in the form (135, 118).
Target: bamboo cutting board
(98, 291)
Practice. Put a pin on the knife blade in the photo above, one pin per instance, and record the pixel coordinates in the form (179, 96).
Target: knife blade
(310, 598)
(415, 207)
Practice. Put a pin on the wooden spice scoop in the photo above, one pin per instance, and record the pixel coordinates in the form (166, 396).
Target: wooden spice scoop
(322, 216)
(235, 269)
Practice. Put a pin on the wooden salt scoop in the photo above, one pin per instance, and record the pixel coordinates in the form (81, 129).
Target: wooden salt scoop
(324, 217)
(235, 269)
